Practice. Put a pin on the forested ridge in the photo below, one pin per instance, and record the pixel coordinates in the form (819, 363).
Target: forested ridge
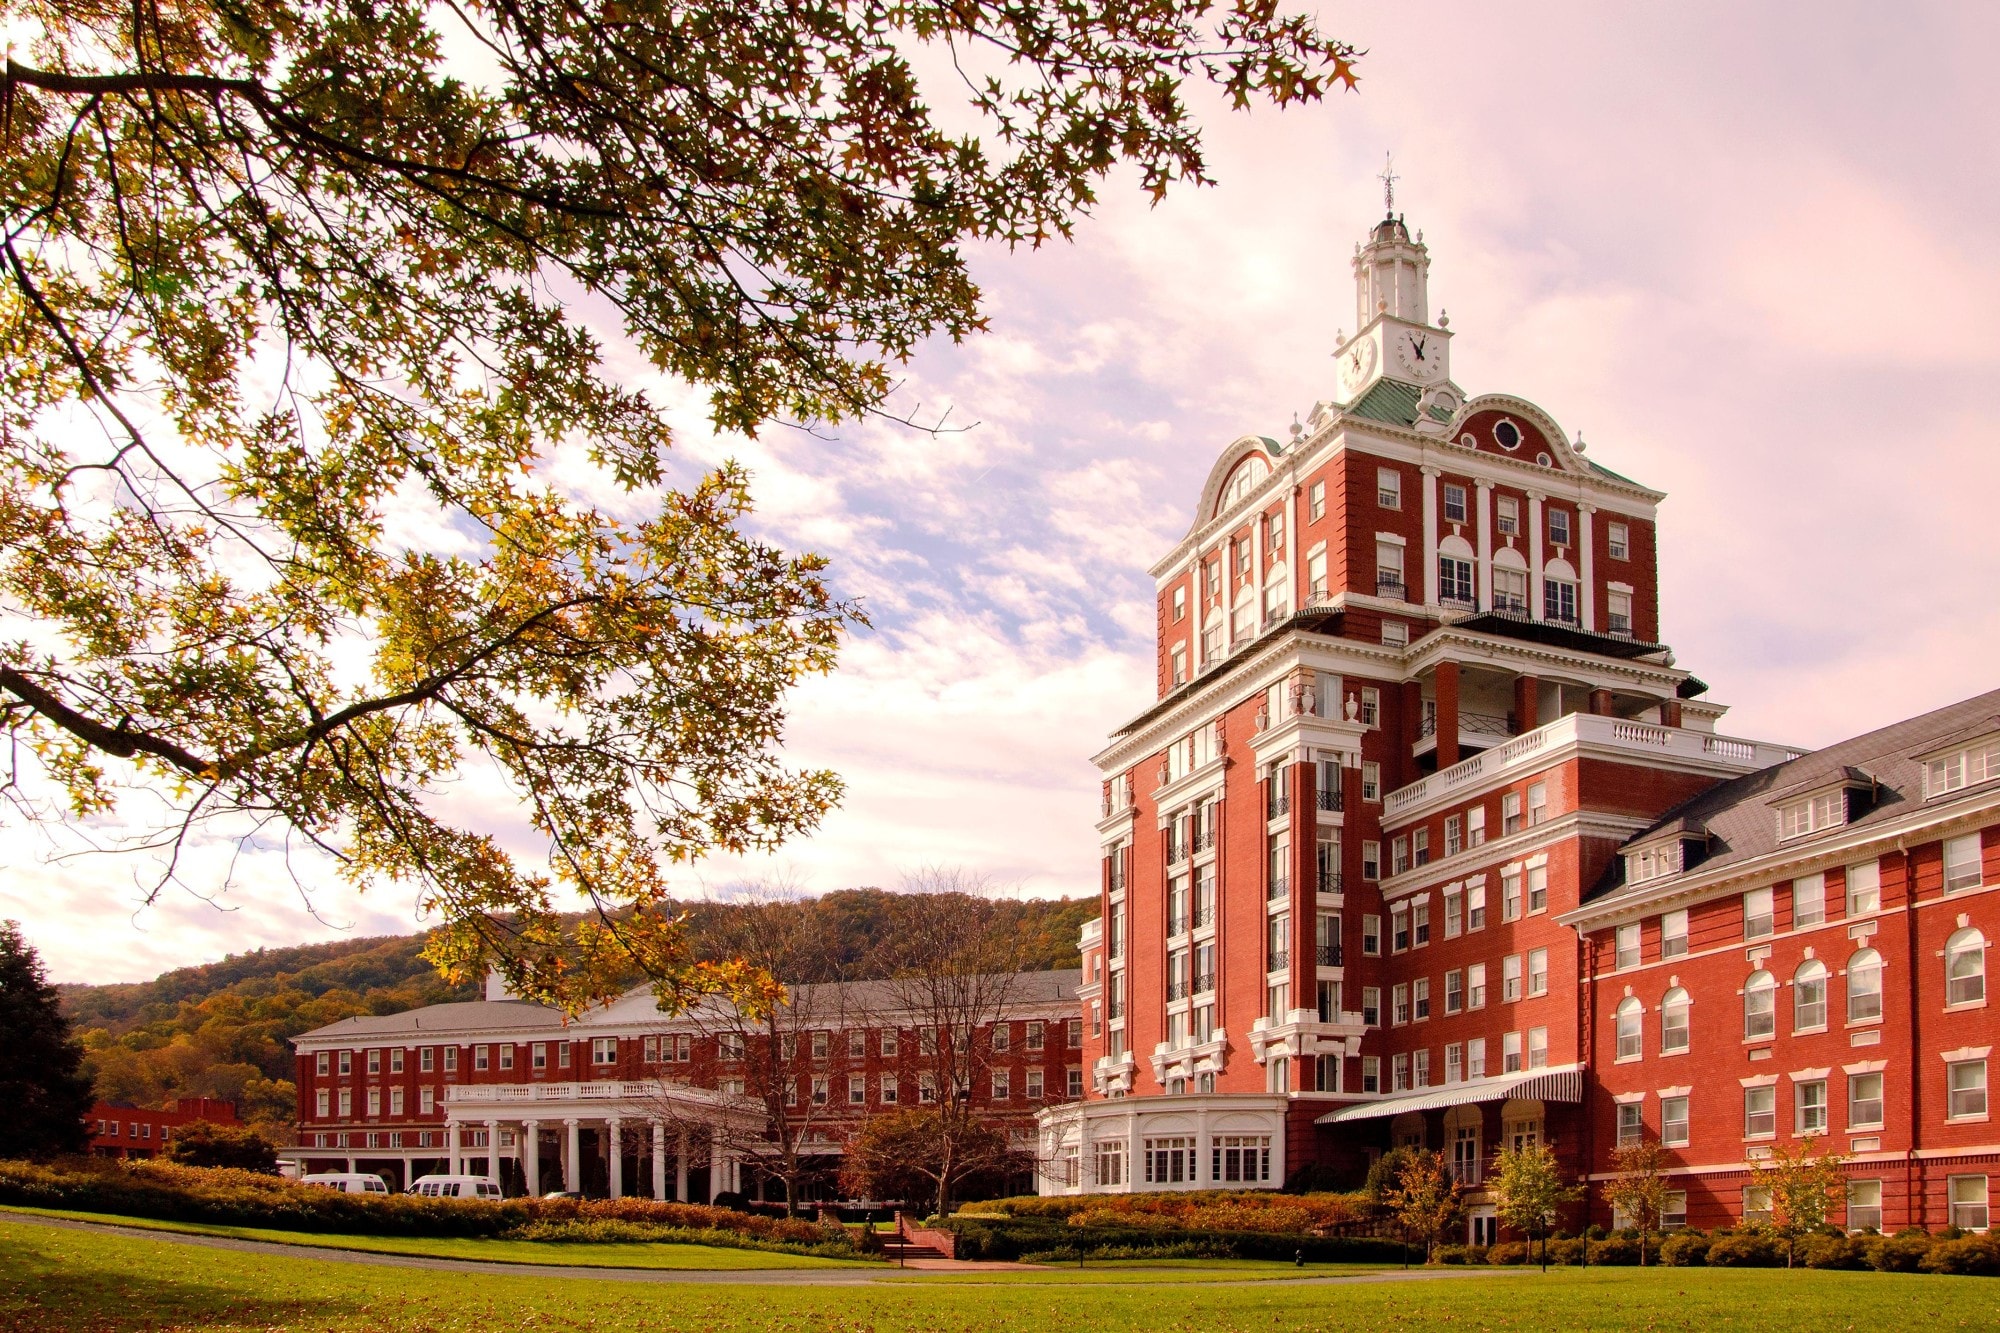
(221, 1029)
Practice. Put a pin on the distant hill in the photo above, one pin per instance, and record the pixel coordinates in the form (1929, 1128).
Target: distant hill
(222, 1029)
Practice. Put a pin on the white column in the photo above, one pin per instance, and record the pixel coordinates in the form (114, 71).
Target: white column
(1294, 576)
(1200, 1174)
(659, 1160)
(493, 1149)
(451, 1146)
(1534, 555)
(681, 1168)
(614, 1155)
(572, 1164)
(1134, 1174)
(1586, 598)
(531, 1156)
(1485, 594)
(350, 1166)
(715, 1163)
(1429, 554)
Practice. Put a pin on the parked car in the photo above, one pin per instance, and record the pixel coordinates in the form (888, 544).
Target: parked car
(456, 1187)
(348, 1182)
(563, 1194)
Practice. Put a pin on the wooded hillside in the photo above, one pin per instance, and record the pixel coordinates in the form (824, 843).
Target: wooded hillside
(221, 1029)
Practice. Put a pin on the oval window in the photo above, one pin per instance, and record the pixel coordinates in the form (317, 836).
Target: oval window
(1507, 435)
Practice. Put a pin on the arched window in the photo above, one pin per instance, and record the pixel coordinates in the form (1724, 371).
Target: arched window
(1864, 986)
(1809, 995)
(1965, 968)
(1674, 1022)
(1760, 1005)
(1631, 1029)
(1559, 592)
(1455, 571)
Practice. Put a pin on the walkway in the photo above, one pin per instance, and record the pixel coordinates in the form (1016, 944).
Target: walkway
(799, 1277)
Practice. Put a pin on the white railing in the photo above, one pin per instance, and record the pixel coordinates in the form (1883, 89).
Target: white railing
(1611, 732)
(609, 1090)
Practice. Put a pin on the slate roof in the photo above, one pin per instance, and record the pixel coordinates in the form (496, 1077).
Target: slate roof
(469, 1015)
(1741, 819)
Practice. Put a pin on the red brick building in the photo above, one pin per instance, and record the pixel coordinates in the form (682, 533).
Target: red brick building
(616, 1103)
(139, 1131)
(1413, 719)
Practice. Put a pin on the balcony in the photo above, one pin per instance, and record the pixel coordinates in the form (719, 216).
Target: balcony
(1617, 626)
(1177, 925)
(1204, 840)
(1278, 889)
(1117, 1009)
(1327, 955)
(1507, 604)
(1328, 798)
(1177, 852)
(1329, 881)
(1391, 585)
(1278, 806)
(1474, 724)
(1204, 983)
(1204, 916)
(1176, 990)
(1277, 959)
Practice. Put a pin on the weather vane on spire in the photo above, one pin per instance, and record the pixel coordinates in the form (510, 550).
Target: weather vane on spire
(1389, 179)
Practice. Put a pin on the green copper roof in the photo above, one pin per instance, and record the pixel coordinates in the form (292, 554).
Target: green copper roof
(1388, 400)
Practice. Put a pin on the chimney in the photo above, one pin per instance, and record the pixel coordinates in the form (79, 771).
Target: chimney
(496, 986)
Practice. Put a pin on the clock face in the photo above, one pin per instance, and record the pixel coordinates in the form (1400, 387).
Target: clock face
(1357, 363)
(1420, 353)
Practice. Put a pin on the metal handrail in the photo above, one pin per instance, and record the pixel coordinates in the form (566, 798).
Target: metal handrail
(1327, 955)
(1279, 888)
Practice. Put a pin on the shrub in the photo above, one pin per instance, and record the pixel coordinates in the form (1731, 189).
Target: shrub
(1685, 1249)
(1968, 1256)
(1618, 1252)
(1746, 1249)
(1508, 1252)
(1192, 1210)
(1900, 1253)
(1461, 1254)
(1833, 1252)
(988, 1237)
(1566, 1251)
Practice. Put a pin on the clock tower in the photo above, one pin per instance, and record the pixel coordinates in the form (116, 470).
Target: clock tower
(1395, 337)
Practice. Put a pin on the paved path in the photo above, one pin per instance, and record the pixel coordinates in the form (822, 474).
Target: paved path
(800, 1277)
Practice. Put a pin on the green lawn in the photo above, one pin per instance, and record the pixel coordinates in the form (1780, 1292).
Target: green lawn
(579, 1255)
(76, 1282)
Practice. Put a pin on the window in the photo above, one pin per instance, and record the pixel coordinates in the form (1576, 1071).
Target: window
(1035, 1034)
(1388, 569)
(1631, 1123)
(1510, 1053)
(1400, 1011)
(1003, 1033)
(1399, 1073)
(1371, 1006)
(927, 1089)
(321, 1100)
(1674, 1022)
(857, 1043)
(1864, 1101)
(1808, 901)
(650, 1052)
(1968, 1203)
(1558, 526)
(1507, 515)
(1475, 1058)
(1538, 811)
(1388, 488)
(374, 1102)
(1965, 968)
(479, 1057)
(1627, 940)
(1864, 986)
(1538, 1048)
(320, 1062)
(1475, 904)
(1864, 1205)
(1371, 935)
(1538, 971)
(1371, 860)
(729, 1046)
(1760, 1006)
(1760, 1112)
(1003, 1085)
(1316, 585)
(1454, 991)
(1966, 768)
(1454, 1063)
(451, 1059)
(1421, 997)
(1455, 580)
(1510, 978)
(1420, 920)
(1169, 1161)
(1240, 1157)
(346, 1103)
(1076, 1081)
(1559, 600)
(1674, 1122)
(1756, 1203)
(1420, 843)
(1178, 661)
(1399, 927)
(1618, 541)
(1510, 590)
(1655, 862)
(1631, 1029)
(1809, 996)
(1618, 613)
(1673, 1210)
(1510, 893)
(1961, 863)
(1075, 1026)
(1809, 1102)
(1371, 1073)
(1371, 716)
(857, 1090)
(1316, 501)
(1864, 888)
(1454, 837)
(1673, 934)
(603, 1050)
(1475, 826)
(374, 1062)
(1510, 812)
(426, 1101)
(1180, 604)
(1812, 815)
(1395, 634)
(1454, 503)
(396, 1061)
(1965, 1082)
(1475, 986)
(1757, 916)
(538, 1056)
(506, 1057)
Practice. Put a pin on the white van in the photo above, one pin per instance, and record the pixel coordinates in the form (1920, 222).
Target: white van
(456, 1187)
(348, 1182)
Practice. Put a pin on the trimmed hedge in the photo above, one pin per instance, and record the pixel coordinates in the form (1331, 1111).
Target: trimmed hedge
(1192, 1211)
(991, 1237)
(168, 1192)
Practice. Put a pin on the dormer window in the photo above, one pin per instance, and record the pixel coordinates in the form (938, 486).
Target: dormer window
(1654, 862)
(1962, 768)
(1812, 814)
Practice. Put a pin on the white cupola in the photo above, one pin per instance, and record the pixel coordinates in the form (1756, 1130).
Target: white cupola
(1391, 276)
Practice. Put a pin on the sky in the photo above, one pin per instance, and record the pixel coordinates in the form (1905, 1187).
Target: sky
(1745, 250)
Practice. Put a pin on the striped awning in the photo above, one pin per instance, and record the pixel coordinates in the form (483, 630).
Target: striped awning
(1563, 1083)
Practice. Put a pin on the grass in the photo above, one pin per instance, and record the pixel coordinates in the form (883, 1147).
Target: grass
(578, 1255)
(78, 1282)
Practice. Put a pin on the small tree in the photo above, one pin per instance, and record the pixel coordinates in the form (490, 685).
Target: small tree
(1803, 1183)
(1640, 1188)
(926, 1151)
(1424, 1197)
(42, 1089)
(1529, 1192)
(203, 1143)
